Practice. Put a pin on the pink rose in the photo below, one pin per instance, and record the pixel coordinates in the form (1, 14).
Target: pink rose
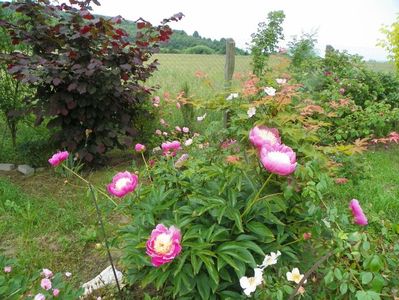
(58, 158)
(122, 184)
(278, 159)
(163, 245)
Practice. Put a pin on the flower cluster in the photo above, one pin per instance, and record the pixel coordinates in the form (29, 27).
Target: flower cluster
(170, 148)
(47, 285)
(277, 158)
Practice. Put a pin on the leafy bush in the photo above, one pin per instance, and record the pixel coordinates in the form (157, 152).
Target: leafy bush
(88, 74)
(199, 49)
(302, 50)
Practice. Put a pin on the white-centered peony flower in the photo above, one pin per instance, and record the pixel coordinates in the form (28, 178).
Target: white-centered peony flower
(270, 259)
(251, 112)
(249, 284)
(188, 142)
(270, 91)
(295, 276)
(232, 96)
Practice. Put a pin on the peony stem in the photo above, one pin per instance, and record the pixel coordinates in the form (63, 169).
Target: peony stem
(88, 183)
(146, 166)
(257, 196)
(105, 238)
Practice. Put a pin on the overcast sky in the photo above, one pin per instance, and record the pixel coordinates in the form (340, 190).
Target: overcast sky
(353, 25)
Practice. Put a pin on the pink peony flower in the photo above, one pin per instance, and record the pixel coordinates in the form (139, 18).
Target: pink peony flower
(46, 284)
(139, 148)
(177, 128)
(357, 212)
(58, 158)
(7, 269)
(158, 132)
(261, 135)
(307, 235)
(56, 292)
(122, 184)
(170, 148)
(163, 245)
(186, 130)
(278, 158)
(40, 297)
(47, 273)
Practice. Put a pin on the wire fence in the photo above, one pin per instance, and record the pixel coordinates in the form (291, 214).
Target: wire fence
(203, 74)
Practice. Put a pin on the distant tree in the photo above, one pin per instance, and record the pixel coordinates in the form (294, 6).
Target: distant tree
(199, 49)
(302, 50)
(196, 34)
(391, 44)
(264, 41)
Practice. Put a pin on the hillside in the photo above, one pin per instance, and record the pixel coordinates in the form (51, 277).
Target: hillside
(181, 42)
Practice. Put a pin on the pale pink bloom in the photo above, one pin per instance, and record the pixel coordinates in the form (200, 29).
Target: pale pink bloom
(201, 118)
(227, 143)
(251, 112)
(232, 96)
(158, 132)
(393, 137)
(170, 148)
(232, 159)
(155, 101)
(281, 80)
(56, 292)
(46, 284)
(186, 130)
(357, 212)
(178, 128)
(139, 148)
(58, 158)
(163, 245)
(47, 273)
(270, 91)
(270, 259)
(163, 122)
(341, 180)
(178, 105)
(188, 142)
(262, 135)
(307, 235)
(68, 274)
(181, 161)
(164, 133)
(196, 134)
(295, 276)
(7, 269)
(40, 297)
(122, 184)
(249, 284)
(278, 158)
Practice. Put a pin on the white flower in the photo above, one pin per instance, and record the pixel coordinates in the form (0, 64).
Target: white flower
(295, 276)
(180, 162)
(232, 96)
(188, 142)
(68, 274)
(270, 259)
(270, 91)
(281, 80)
(249, 284)
(201, 118)
(251, 112)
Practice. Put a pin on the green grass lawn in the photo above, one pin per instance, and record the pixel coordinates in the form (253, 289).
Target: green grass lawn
(379, 191)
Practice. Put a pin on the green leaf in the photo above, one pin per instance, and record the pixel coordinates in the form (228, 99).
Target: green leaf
(329, 277)
(203, 286)
(338, 273)
(261, 230)
(366, 277)
(210, 266)
(343, 288)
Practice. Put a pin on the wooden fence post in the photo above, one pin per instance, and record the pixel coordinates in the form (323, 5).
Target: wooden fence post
(228, 73)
